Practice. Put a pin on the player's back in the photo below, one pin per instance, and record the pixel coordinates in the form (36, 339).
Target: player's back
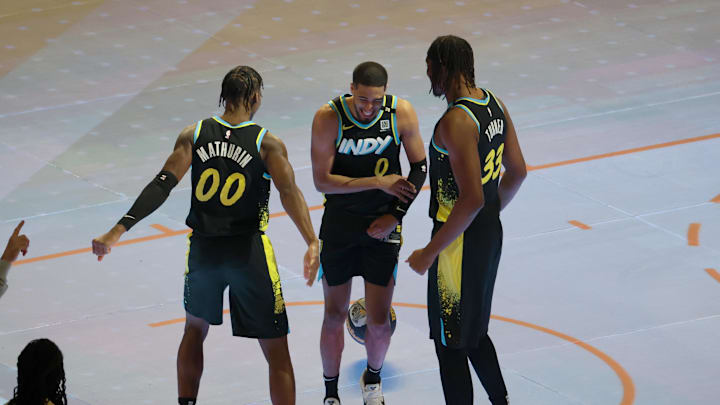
(230, 185)
(489, 117)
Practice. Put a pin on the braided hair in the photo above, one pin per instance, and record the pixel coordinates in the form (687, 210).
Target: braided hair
(41, 375)
(239, 86)
(450, 57)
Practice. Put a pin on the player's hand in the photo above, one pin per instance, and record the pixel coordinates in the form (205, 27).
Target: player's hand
(16, 244)
(420, 260)
(104, 243)
(382, 226)
(398, 186)
(311, 262)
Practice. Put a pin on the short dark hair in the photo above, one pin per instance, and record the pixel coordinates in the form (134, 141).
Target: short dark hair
(451, 57)
(370, 74)
(41, 375)
(239, 85)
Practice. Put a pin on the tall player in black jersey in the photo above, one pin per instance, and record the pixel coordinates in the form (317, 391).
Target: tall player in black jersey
(472, 140)
(233, 160)
(356, 141)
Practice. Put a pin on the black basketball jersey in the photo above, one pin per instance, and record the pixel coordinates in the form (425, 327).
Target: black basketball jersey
(489, 117)
(230, 185)
(364, 150)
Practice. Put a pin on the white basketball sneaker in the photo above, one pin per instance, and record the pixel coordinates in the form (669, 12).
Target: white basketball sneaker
(331, 401)
(372, 393)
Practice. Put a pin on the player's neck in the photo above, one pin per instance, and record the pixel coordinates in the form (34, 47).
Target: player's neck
(236, 117)
(464, 91)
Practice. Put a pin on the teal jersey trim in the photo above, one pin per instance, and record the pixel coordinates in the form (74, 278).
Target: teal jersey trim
(437, 148)
(227, 124)
(467, 110)
(197, 131)
(259, 139)
(354, 121)
(340, 131)
(393, 118)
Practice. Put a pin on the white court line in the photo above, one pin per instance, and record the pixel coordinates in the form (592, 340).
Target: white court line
(613, 335)
(621, 110)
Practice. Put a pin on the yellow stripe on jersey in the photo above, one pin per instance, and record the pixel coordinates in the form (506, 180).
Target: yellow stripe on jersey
(450, 274)
(197, 131)
(274, 275)
(340, 131)
(229, 125)
(260, 137)
(354, 121)
(393, 120)
(484, 101)
(470, 113)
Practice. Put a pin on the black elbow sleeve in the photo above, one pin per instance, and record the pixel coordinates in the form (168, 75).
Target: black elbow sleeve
(417, 175)
(152, 197)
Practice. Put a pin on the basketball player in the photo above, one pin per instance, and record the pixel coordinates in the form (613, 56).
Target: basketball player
(356, 141)
(472, 140)
(233, 160)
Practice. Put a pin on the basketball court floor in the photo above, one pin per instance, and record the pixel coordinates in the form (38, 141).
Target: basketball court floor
(609, 286)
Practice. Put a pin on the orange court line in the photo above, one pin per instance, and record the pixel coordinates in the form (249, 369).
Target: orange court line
(714, 274)
(627, 383)
(161, 228)
(580, 225)
(625, 152)
(692, 234)
(167, 233)
(716, 199)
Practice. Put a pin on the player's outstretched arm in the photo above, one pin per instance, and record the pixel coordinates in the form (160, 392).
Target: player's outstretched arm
(514, 163)
(458, 134)
(324, 136)
(274, 155)
(153, 195)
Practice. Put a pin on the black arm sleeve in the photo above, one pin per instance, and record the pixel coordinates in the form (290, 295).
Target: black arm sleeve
(151, 198)
(417, 175)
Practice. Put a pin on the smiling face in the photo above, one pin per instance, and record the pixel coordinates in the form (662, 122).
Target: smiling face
(367, 101)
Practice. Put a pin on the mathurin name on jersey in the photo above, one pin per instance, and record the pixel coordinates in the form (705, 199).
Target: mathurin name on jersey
(226, 150)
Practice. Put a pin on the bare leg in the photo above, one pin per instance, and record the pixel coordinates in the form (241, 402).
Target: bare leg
(282, 378)
(332, 336)
(190, 356)
(377, 337)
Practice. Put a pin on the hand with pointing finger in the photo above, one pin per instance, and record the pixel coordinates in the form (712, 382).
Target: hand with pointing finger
(16, 244)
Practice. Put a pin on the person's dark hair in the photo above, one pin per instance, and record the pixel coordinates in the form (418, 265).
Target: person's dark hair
(451, 57)
(370, 74)
(239, 86)
(41, 375)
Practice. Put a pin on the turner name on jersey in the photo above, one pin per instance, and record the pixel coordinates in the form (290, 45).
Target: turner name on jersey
(224, 149)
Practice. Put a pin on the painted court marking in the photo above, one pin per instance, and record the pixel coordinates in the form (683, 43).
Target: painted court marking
(579, 225)
(167, 232)
(627, 383)
(714, 274)
(693, 234)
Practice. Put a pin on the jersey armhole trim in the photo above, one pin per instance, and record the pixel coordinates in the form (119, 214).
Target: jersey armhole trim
(496, 100)
(267, 176)
(197, 131)
(437, 148)
(467, 110)
(260, 136)
(393, 119)
(340, 131)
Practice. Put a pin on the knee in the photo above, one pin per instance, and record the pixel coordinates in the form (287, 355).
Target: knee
(378, 325)
(335, 317)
